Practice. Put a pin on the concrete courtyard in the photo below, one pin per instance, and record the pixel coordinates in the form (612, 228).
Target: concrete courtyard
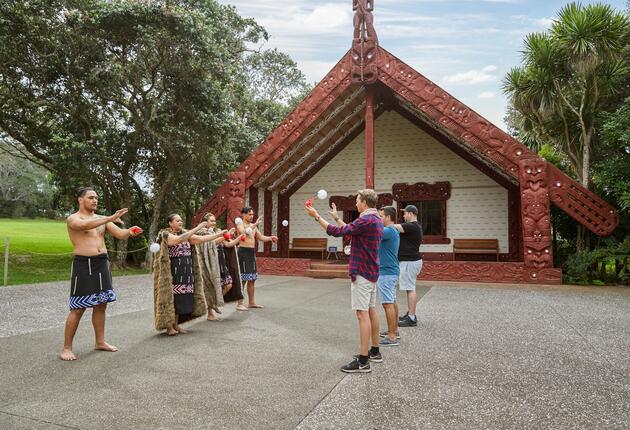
(481, 357)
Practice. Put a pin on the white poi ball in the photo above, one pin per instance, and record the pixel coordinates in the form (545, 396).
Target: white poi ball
(285, 223)
(238, 221)
(154, 248)
(249, 231)
(322, 194)
(347, 249)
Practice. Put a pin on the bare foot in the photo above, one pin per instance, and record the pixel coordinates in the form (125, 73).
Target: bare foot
(212, 315)
(105, 347)
(241, 308)
(171, 332)
(67, 355)
(255, 306)
(181, 330)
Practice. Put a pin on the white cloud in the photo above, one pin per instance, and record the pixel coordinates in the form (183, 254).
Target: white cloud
(486, 95)
(472, 77)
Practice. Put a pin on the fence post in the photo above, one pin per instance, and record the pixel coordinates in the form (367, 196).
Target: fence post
(6, 261)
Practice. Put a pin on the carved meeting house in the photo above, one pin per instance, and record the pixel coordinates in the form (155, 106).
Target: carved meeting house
(375, 122)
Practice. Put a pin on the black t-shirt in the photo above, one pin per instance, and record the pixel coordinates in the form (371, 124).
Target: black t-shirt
(410, 240)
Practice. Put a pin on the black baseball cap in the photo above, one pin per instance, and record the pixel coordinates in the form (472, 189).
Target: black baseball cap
(411, 209)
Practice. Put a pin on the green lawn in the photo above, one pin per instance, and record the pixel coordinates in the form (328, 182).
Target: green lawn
(39, 251)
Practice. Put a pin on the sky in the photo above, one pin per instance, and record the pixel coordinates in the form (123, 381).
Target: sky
(465, 46)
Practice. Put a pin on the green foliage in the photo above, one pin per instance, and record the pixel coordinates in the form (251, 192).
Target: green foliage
(604, 265)
(25, 188)
(153, 103)
(612, 167)
(568, 73)
(40, 251)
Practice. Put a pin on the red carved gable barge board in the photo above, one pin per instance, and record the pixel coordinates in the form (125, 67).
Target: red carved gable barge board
(444, 112)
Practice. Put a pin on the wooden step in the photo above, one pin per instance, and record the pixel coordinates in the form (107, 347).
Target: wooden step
(327, 274)
(325, 266)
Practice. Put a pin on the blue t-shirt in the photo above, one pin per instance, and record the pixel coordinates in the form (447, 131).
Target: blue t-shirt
(388, 252)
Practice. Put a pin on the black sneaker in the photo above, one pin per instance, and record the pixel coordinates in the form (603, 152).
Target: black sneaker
(408, 322)
(403, 317)
(385, 333)
(355, 367)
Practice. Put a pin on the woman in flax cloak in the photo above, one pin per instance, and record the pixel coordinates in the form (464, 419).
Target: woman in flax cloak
(220, 262)
(177, 276)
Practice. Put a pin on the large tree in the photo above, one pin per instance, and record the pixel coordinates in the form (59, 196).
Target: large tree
(567, 73)
(153, 102)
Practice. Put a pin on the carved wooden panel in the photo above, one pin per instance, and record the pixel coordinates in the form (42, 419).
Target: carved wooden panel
(422, 191)
(364, 43)
(236, 197)
(283, 232)
(282, 266)
(583, 205)
(535, 215)
(462, 271)
(268, 208)
(486, 139)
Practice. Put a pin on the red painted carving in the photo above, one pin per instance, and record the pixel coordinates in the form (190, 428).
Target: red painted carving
(282, 266)
(217, 204)
(364, 43)
(421, 191)
(478, 134)
(515, 233)
(287, 133)
(236, 197)
(537, 254)
(283, 232)
(462, 271)
(268, 198)
(586, 207)
(253, 199)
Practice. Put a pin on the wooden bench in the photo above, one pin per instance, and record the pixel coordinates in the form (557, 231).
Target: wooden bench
(476, 246)
(308, 244)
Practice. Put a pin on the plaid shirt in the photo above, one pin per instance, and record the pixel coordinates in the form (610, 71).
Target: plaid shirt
(366, 232)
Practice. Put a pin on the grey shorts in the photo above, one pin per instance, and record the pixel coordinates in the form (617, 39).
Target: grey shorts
(409, 271)
(363, 294)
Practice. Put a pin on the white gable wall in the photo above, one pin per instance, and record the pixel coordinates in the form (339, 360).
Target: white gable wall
(478, 207)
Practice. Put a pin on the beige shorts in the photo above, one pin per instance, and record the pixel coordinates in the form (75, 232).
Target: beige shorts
(363, 294)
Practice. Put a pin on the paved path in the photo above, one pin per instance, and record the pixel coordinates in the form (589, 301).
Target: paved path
(482, 357)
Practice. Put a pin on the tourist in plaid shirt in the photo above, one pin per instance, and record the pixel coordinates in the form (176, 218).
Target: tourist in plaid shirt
(366, 233)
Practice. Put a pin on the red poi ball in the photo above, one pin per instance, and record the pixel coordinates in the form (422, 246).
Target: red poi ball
(226, 236)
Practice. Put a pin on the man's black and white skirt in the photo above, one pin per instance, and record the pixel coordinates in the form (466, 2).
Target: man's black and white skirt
(91, 282)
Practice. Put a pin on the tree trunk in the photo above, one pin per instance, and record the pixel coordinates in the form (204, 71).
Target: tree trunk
(582, 234)
(157, 212)
(122, 244)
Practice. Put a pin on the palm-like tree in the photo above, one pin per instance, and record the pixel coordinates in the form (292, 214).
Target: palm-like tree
(567, 73)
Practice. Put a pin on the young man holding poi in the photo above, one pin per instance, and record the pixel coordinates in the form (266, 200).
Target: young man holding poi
(91, 283)
(366, 232)
(247, 255)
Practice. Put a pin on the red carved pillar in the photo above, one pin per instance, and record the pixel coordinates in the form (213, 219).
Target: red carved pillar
(369, 137)
(268, 198)
(253, 199)
(236, 197)
(283, 232)
(535, 218)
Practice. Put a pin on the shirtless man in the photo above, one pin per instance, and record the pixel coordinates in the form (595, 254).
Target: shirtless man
(247, 254)
(91, 283)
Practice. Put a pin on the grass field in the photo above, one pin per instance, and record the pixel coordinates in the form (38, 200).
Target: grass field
(39, 251)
